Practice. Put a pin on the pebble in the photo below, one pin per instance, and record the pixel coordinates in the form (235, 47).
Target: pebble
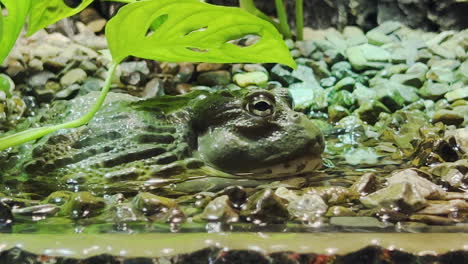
(73, 76)
(424, 187)
(213, 78)
(400, 196)
(257, 78)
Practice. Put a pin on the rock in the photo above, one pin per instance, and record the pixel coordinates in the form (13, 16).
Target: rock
(461, 137)
(213, 78)
(377, 38)
(357, 221)
(432, 219)
(337, 112)
(58, 198)
(448, 117)
(220, 210)
(334, 195)
(400, 196)
(361, 156)
(424, 187)
(366, 184)
(265, 207)
(363, 94)
(69, 92)
(237, 195)
(73, 76)
(251, 78)
(183, 88)
(82, 205)
(370, 110)
(434, 91)
(460, 93)
(40, 79)
(152, 88)
(339, 211)
(445, 207)
(441, 74)
(345, 84)
(362, 56)
(455, 173)
(150, 204)
(127, 68)
(308, 207)
(328, 82)
(354, 36)
(205, 67)
(169, 68)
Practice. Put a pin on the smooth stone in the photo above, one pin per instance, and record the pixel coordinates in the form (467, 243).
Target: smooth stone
(378, 38)
(356, 57)
(302, 97)
(259, 78)
(357, 221)
(307, 207)
(448, 117)
(213, 78)
(41, 79)
(457, 94)
(37, 210)
(205, 67)
(388, 27)
(68, 92)
(434, 90)
(441, 74)
(130, 67)
(363, 94)
(220, 210)
(328, 82)
(74, 76)
(151, 204)
(250, 67)
(374, 53)
(354, 36)
(424, 187)
(400, 196)
(339, 211)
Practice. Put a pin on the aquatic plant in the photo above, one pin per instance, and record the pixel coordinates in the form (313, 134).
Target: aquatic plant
(168, 30)
(282, 26)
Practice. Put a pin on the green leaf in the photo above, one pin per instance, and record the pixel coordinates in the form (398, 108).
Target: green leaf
(47, 12)
(192, 32)
(11, 24)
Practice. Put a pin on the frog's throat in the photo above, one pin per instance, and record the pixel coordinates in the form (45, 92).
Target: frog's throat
(297, 166)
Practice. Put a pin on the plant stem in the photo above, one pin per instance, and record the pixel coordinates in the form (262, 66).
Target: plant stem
(299, 19)
(249, 6)
(35, 133)
(283, 18)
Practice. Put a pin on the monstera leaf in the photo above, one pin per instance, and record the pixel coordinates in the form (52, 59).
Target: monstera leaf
(189, 30)
(12, 20)
(47, 12)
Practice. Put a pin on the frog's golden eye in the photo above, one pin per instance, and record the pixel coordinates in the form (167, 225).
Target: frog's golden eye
(260, 104)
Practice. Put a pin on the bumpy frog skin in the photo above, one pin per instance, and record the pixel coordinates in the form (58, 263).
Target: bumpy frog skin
(133, 144)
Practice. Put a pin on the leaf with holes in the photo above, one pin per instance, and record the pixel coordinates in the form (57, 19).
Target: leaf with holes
(13, 18)
(189, 30)
(47, 12)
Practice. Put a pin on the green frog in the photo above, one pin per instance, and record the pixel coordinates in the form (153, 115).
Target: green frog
(134, 144)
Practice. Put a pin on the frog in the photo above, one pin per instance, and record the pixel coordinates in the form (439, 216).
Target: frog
(133, 144)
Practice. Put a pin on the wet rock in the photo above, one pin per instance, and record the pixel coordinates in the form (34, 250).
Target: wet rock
(265, 207)
(400, 196)
(237, 195)
(339, 211)
(220, 210)
(433, 90)
(213, 78)
(369, 111)
(69, 92)
(455, 173)
(74, 76)
(251, 78)
(346, 84)
(448, 117)
(424, 187)
(432, 219)
(41, 79)
(334, 195)
(457, 94)
(366, 184)
(357, 221)
(356, 156)
(445, 207)
(185, 73)
(308, 207)
(151, 204)
(441, 74)
(337, 112)
(82, 205)
(206, 67)
(461, 139)
(361, 57)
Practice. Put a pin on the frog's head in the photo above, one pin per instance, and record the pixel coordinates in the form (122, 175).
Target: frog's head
(256, 133)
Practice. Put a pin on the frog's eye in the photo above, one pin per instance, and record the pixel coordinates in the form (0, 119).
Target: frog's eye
(260, 104)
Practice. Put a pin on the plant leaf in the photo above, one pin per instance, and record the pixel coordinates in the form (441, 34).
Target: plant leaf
(11, 24)
(47, 12)
(194, 32)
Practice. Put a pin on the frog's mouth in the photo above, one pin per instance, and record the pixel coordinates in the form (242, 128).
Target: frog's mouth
(293, 167)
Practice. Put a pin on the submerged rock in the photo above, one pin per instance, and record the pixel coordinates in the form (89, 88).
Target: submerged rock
(400, 196)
